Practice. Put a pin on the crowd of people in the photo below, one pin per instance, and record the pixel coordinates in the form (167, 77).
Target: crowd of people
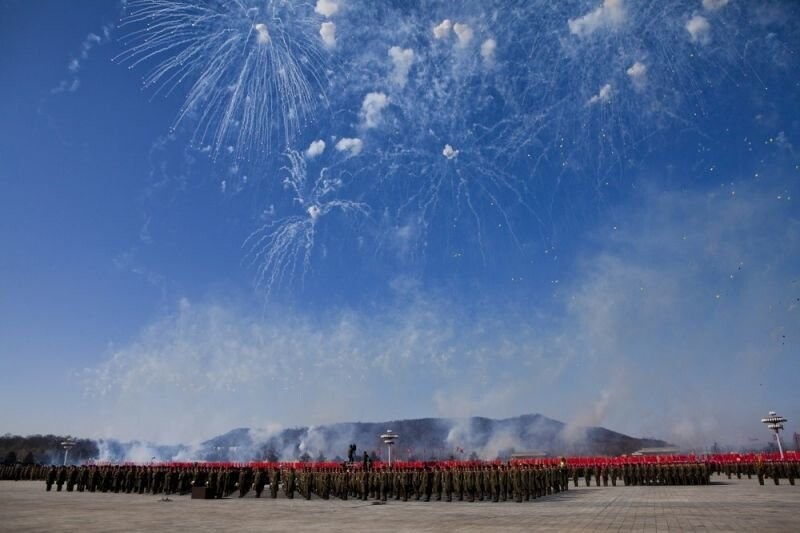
(473, 482)
(470, 481)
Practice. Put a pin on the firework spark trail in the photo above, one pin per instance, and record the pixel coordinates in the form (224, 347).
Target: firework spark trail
(469, 118)
(600, 80)
(282, 249)
(253, 68)
(436, 127)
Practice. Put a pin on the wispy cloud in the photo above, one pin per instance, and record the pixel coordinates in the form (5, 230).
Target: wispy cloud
(677, 317)
(72, 81)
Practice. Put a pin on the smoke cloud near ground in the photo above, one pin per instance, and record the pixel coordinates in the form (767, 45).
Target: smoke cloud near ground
(633, 342)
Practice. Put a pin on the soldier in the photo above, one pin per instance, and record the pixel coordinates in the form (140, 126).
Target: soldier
(135, 474)
(168, 481)
(140, 479)
(83, 476)
(118, 480)
(449, 484)
(516, 476)
(402, 483)
(365, 461)
(223, 482)
(61, 478)
(494, 483)
(211, 484)
(427, 484)
(504, 479)
(488, 475)
(325, 484)
(106, 481)
(200, 477)
(437, 483)
(774, 473)
(364, 482)
(386, 483)
(244, 482)
(274, 480)
(183, 483)
(527, 482)
(458, 483)
(72, 478)
(51, 478)
(289, 483)
(259, 482)
(468, 484)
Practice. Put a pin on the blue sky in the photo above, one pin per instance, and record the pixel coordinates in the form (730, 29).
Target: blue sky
(365, 212)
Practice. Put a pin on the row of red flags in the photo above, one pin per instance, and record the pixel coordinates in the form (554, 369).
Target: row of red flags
(721, 458)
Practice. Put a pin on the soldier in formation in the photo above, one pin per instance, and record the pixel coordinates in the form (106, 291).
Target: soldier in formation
(469, 481)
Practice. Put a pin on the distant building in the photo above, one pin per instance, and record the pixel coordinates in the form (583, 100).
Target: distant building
(665, 450)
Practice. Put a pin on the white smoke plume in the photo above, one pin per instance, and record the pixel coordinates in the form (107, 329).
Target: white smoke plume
(442, 30)
(714, 5)
(488, 49)
(676, 263)
(371, 109)
(402, 58)
(315, 148)
(602, 97)
(638, 75)
(353, 146)
(327, 8)
(327, 31)
(449, 152)
(699, 30)
(263, 36)
(608, 15)
(464, 33)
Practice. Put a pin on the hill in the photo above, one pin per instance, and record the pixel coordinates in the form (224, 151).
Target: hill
(425, 438)
(420, 439)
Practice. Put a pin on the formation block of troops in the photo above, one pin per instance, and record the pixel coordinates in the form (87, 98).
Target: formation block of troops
(467, 482)
(470, 481)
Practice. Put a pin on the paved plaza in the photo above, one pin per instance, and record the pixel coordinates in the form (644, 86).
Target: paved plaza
(735, 505)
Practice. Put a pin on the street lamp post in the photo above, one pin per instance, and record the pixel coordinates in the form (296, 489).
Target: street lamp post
(67, 445)
(389, 439)
(775, 423)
